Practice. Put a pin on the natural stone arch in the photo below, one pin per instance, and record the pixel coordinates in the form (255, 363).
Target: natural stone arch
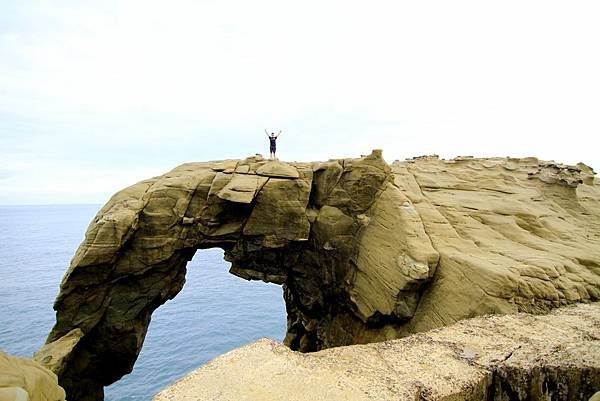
(352, 242)
(272, 219)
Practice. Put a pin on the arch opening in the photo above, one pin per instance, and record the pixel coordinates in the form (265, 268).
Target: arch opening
(214, 313)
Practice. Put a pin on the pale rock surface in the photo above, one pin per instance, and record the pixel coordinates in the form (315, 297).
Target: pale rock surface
(275, 168)
(516, 357)
(13, 394)
(242, 188)
(23, 379)
(508, 239)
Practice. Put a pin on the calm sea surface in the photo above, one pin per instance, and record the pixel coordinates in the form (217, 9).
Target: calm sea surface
(214, 313)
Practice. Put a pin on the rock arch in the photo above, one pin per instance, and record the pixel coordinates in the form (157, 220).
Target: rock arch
(354, 242)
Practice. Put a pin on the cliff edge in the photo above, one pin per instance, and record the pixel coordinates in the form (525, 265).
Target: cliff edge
(365, 251)
(494, 358)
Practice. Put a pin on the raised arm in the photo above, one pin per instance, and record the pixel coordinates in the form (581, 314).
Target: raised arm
(266, 132)
(279, 133)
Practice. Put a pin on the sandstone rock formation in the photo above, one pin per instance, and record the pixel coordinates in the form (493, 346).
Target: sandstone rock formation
(512, 357)
(365, 251)
(22, 379)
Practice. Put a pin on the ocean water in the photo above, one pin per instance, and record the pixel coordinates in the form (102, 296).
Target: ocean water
(214, 313)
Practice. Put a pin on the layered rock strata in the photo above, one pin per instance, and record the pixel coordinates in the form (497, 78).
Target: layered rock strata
(511, 357)
(365, 251)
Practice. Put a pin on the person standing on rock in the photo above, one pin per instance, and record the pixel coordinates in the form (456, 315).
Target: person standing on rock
(272, 143)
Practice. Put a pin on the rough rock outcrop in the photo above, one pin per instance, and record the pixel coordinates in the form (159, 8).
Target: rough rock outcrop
(365, 251)
(512, 357)
(23, 379)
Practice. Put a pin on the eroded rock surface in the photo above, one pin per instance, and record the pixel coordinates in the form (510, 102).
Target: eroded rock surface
(365, 251)
(23, 379)
(512, 357)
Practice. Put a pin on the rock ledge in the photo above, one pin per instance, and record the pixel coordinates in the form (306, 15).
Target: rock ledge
(516, 357)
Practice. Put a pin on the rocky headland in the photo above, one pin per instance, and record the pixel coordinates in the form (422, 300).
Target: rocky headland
(365, 251)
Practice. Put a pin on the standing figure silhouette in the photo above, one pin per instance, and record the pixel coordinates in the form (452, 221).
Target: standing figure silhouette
(272, 143)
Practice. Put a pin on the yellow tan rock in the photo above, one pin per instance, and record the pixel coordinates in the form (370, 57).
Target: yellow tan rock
(518, 357)
(366, 251)
(23, 379)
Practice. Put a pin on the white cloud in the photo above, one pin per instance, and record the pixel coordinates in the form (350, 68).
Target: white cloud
(155, 84)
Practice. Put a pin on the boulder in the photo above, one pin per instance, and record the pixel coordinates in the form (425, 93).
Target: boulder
(275, 168)
(242, 188)
(280, 210)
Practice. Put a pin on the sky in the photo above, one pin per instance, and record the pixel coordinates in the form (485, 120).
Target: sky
(97, 95)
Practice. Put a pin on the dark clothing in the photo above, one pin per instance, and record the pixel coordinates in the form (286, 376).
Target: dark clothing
(273, 144)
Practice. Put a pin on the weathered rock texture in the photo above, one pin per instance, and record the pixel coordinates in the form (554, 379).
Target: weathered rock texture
(365, 251)
(512, 357)
(22, 379)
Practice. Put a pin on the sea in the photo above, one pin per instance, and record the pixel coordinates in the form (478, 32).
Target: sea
(214, 313)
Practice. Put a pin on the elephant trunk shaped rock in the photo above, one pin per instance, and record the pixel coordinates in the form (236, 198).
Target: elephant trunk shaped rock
(364, 251)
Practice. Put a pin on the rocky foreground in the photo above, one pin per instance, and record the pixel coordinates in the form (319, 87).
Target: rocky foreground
(22, 379)
(512, 357)
(365, 251)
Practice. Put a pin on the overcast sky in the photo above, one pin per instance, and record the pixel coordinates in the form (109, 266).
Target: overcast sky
(96, 95)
